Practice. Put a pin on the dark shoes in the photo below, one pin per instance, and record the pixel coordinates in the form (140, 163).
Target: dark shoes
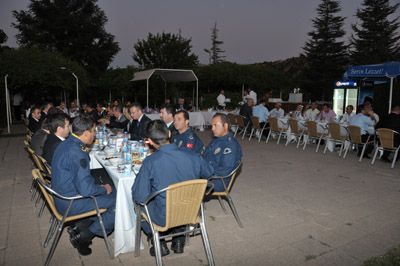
(178, 245)
(386, 159)
(80, 240)
(164, 249)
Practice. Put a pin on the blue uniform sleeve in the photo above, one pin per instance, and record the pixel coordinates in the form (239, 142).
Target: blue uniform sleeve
(206, 169)
(84, 182)
(198, 145)
(141, 189)
(230, 157)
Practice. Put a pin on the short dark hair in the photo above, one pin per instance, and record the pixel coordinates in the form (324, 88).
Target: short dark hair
(137, 105)
(35, 107)
(158, 132)
(82, 123)
(56, 120)
(118, 108)
(224, 118)
(327, 105)
(185, 114)
(169, 109)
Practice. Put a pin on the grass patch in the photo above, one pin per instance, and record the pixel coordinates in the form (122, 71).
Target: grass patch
(390, 258)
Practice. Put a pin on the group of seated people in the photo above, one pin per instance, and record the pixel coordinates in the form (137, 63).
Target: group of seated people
(180, 155)
(365, 118)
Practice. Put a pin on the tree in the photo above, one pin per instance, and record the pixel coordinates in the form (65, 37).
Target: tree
(37, 73)
(325, 51)
(73, 28)
(215, 52)
(3, 37)
(164, 50)
(375, 39)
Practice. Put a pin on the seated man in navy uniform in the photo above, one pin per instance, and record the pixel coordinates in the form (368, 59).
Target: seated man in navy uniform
(71, 176)
(224, 152)
(186, 139)
(167, 166)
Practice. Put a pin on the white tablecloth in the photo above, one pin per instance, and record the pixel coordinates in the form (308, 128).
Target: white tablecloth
(125, 217)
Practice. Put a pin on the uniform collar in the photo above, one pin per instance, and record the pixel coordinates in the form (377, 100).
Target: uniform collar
(225, 137)
(188, 131)
(74, 138)
(168, 147)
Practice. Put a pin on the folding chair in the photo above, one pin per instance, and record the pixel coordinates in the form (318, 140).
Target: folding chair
(241, 126)
(60, 220)
(386, 139)
(274, 128)
(313, 134)
(295, 131)
(334, 135)
(355, 139)
(227, 191)
(255, 126)
(233, 122)
(184, 206)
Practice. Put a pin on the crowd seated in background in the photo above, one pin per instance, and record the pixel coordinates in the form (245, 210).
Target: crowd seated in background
(246, 110)
(298, 113)
(365, 121)
(327, 114)
(312, 112)
(345, 118)
(34, 123)
(277, 112)
(391, 121)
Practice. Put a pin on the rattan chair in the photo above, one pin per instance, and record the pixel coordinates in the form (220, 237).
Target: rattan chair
(226, 193)
(59, 221)
(355, 139)
(184, 206)
(255, 126)
(233, 122)
(386, 140)
(241, 126)
(274, 128)
(295, 131)
(313, 134)
(334, 135)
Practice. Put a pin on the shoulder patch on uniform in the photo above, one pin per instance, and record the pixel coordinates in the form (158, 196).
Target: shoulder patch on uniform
(227, 151)
(83, 163)
(191, 137)
(217, 150)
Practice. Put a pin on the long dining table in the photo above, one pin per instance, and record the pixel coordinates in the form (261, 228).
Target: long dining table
(125, 217)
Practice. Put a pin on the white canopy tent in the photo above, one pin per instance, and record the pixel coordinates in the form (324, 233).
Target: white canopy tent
(168, 75)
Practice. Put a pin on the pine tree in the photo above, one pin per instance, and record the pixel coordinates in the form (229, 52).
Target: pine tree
(215, 52)
(375, 39)
(325, 51)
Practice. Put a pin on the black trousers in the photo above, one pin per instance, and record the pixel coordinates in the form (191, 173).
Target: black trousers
(369, 147)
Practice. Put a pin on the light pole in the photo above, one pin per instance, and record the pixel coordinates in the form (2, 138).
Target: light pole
(8, 109)
(77, 84)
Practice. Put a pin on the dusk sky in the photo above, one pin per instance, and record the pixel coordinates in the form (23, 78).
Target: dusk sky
(252, 31)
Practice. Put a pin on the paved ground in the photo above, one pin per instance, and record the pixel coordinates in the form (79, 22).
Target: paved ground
(298, 208)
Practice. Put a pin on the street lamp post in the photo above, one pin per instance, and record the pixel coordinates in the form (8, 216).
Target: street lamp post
(77, 84)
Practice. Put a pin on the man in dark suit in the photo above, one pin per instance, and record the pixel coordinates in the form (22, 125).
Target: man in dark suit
(391, 121)
(138, 125)
(92, 112)
(167, 113)
(58, 125)
(45, 110)
(117, 120)
(34, 119)
(181, 104)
